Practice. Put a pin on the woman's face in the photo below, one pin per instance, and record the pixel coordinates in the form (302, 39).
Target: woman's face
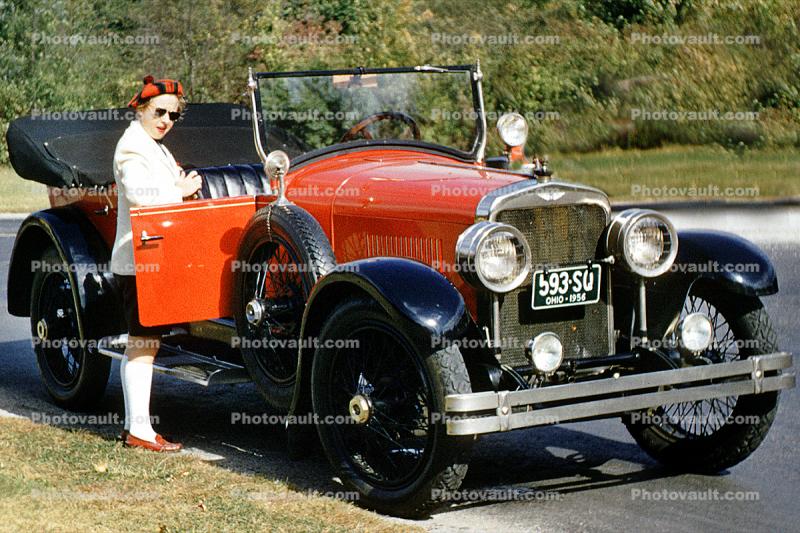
(154, 125)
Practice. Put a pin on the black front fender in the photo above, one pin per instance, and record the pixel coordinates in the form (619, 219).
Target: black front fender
(411, 293)
(724, 260)
(418, 298)
(731, 261)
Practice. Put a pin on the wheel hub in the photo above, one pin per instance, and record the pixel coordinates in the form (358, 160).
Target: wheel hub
(41, 329)
(360, 409)
(254, 311)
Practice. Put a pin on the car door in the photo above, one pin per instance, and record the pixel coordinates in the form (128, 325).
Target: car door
(184, 255)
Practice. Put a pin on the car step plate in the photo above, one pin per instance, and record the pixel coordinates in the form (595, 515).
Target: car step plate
(182, 364)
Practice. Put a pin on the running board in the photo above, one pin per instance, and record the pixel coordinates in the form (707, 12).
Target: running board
(181, 364)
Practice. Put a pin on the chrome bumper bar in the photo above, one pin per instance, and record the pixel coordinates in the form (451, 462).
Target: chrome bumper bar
(489, 412)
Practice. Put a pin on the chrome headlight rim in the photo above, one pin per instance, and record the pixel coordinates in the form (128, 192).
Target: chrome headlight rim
(619, 230)
(467, 252)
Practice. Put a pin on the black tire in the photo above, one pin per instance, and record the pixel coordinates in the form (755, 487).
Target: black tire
(396, 470)
(281, 256)
(74, 375)
(712, 435)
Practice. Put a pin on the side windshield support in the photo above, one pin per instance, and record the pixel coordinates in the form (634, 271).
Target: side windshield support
(482, 134)
(252, 88)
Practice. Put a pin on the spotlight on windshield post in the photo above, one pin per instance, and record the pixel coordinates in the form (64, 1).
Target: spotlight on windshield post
(276, 166)
(513, 130)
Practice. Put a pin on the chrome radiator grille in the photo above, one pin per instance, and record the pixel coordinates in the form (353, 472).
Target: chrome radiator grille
(558, 235)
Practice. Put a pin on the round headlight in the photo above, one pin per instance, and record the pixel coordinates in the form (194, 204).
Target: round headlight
(546, 352)
(513, 129)
(493, 255)
(695, 332)
(644, 240)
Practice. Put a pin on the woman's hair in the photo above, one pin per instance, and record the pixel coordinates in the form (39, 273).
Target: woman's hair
(147, 104)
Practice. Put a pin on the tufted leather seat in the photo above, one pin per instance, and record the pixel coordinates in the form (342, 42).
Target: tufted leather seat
(233, 180)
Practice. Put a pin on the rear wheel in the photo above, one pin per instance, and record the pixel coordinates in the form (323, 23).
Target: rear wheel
(282, 255)
(74, 375)
(712, 435)
(378, 397)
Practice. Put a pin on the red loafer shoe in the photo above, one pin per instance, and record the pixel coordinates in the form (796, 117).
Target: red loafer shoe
(172, 446)
(161, 444)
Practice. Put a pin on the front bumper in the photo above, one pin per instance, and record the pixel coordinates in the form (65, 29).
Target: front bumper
(489, 412)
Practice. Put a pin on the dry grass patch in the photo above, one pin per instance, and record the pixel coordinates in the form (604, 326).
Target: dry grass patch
(57, 480)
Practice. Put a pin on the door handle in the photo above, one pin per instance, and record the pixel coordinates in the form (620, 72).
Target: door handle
(144, 237)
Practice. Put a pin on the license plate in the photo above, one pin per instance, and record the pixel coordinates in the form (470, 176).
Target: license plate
(564, 287)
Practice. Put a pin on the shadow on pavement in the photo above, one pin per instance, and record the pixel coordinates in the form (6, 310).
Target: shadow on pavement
(556, 458)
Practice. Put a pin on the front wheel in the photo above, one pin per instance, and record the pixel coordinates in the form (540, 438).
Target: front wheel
(74, 376)
(709, 436)
(378, 397)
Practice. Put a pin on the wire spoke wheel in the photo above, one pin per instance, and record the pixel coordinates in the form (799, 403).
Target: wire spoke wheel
(378, 396)
(282, 255)
(391, 445)
(74, 377)
(60, 347)
(704, 417)
(711, 435)
(274, 279)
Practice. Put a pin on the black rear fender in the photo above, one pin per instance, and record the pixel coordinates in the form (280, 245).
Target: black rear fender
(82, 249)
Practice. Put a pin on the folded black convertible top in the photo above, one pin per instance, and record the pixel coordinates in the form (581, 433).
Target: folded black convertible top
(77, 148)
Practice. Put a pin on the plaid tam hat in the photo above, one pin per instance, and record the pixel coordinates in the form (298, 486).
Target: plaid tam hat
(153, 87)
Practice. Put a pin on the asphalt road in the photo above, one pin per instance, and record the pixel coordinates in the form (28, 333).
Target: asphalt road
(582, 476)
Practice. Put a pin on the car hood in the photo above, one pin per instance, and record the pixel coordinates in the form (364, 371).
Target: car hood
(419, 187)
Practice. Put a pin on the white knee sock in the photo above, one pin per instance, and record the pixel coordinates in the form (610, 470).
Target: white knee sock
(137, 382)
(122, 365)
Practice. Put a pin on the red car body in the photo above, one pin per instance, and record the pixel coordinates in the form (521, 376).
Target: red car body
(375, 221)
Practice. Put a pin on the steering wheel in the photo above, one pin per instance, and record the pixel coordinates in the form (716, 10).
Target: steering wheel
(383, 115)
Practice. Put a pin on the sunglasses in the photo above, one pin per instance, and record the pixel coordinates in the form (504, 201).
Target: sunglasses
(173, 115)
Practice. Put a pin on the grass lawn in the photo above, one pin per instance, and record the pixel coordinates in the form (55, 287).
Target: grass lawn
(685, 173)
(699, 173)
(18, 195)
(53, 479)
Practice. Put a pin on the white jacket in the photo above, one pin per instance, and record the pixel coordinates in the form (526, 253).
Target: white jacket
(145, 173)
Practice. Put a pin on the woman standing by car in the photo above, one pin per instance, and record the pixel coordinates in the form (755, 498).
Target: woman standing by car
(145, 174)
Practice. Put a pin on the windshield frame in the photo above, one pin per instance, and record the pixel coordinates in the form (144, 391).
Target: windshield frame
(476, 154)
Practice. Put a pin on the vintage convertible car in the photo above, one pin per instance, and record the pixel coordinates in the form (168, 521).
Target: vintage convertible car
(379, 272)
